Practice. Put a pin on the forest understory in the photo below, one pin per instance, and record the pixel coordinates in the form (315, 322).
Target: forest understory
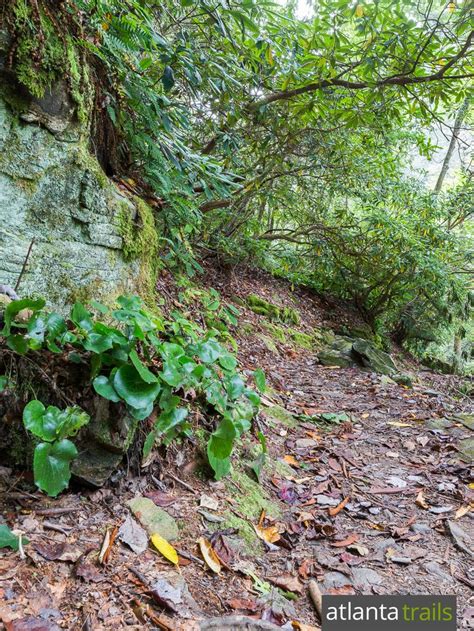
(236, 312)
(365, 489)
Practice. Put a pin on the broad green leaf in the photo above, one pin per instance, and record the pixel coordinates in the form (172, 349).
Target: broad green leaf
(38, 422)
(81, 317)
(9, 540)
(235, 387)
(133, 390)
(145, 374)
(51, 465)
(104, 387)
(209, 351)
(260, 381)
(172, 373)
(97, 343)
(171, 419)
(18, 343)
(228, 361)
(15, 307)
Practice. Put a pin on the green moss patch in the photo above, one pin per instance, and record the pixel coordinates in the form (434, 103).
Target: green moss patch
(141, 242)
(279, 415)
(273, 312)
(45, 53)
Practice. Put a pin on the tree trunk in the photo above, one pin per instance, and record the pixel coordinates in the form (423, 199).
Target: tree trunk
(461, 115)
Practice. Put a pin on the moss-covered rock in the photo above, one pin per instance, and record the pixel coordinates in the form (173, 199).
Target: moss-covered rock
(273, 312)
(44, 58)
(293, 337)
(278, 415)
(54, 193)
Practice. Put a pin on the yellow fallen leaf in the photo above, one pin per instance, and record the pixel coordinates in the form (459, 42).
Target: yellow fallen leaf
(269, 534)
(165, 548)
(399, 424)
(464, 510)
(291, 460)
(420, 501)
(299, 626)
(365, 415)
(209, 556)
(471, 485)
(375, 526)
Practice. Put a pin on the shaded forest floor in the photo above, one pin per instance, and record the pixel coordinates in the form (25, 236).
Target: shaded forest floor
(373, 499)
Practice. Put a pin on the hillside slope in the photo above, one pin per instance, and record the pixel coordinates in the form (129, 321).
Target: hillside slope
(365, 488)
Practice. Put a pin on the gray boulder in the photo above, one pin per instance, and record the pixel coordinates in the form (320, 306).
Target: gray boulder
(373, 358)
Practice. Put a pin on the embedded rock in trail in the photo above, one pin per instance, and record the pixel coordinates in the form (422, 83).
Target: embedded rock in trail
(103, 443)
(338, 354)
(347, 353)
(94, 466)
(373, 358)
(154, 519)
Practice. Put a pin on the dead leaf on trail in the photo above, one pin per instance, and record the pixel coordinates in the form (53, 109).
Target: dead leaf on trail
(160, 498)
(291, 460)
(209, 556)
(421, 501)
(243, 604)
(166, 594)
(360, 549)
(464, 510)
(397, 482)
(107, 544)
(337, 509)
(399, 424)
(89, 573)
(269, 534)
(223, 551)
(305, 517)
(133, 535)
(341, 591)
(165, 548)
(58, 551)
(461, 538)
(287, 582)
(309, 568)
(346, 542)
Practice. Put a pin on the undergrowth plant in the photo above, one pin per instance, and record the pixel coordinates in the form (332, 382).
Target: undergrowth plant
(142, 361)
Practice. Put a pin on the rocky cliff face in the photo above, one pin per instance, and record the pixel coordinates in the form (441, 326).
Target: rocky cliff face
(53, 193)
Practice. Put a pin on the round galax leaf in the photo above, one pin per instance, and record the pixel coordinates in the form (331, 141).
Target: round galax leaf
(38, 422)
(133, 390)
(51, 465)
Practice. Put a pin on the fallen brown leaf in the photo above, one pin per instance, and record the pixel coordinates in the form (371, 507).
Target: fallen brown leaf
(209, 556)
(421, 501)
(346, 542)
(337, 509)
(287, 582)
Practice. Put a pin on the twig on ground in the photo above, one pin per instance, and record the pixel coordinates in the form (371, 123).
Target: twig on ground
(316, 597)
(184, 484)
(189, 556)
(46, 512)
